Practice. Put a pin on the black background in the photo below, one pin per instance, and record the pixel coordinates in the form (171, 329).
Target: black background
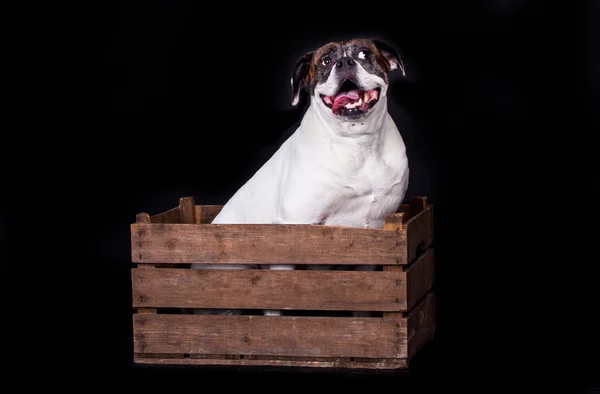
(496, 110)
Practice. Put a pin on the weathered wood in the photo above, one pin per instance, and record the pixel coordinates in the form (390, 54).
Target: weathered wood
(142, 218)
(221, 356)
(261, 335)
(183, 235)
(299, 358)
(398, 319)
(170, 216)
(394, 221)
(144, 311)
(421, 324)
(187, 210)
(141, 309)
(263, 289)
(390, 363)
(187, 214)
(160, 355)
(419, 278)
(205, 214)
(419, 232)
(266, 244)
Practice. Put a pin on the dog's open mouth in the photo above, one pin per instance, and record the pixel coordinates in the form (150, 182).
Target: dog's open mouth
(351, 100)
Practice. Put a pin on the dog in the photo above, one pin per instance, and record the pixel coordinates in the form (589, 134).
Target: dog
(345, 164)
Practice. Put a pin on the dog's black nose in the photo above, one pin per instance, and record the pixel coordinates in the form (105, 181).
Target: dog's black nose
(344, 62)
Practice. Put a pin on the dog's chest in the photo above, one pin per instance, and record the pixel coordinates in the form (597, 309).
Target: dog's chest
(368, 193)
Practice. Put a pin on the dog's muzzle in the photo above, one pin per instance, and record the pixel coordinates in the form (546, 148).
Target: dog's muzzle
(351, 100)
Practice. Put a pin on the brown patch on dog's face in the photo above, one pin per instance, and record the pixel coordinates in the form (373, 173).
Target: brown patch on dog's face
(376, 57)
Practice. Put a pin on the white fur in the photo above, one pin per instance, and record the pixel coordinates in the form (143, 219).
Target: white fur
(330, 172)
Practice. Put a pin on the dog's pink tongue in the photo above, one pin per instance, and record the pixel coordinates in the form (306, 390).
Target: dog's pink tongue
(344, 98)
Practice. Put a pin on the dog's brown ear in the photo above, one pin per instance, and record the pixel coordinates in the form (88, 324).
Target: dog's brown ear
(300, 75)
(391, 55)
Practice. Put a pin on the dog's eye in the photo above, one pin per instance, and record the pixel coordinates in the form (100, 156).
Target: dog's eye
(363, 54)
(326, 61)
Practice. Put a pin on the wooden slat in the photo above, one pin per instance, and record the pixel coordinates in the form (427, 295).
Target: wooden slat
(198, 210)
(390, 363)
(398, 320)
(143, 311)
(205, 214)
(160, 355)
(220, 356)
(187, 210)
(170, 216)
(187, 214)
(266, 244)
(144, 218)
(263, 289)
(297, 358)
(419, 232)
(262, 335)
(421, 324)
(419, 278)
(394, 222)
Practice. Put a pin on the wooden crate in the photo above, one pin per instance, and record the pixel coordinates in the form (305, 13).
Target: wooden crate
(317, 328)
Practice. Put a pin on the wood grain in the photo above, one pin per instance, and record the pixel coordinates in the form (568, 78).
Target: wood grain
(205, 214)
(419, 278)
(421, 324)
(265, 244)
(392, 363)
(419, 232)
(170, 216)
(142, 217)
(160, 355)
(263, 289)
(394, 222)
(187, 210)
(261, 335)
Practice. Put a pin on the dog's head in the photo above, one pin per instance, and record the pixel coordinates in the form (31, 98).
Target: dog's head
(348, 78)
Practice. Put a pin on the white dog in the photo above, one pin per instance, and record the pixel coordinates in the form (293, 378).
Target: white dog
(345, 165)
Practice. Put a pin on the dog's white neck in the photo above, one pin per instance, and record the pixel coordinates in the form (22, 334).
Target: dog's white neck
(363, 135)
